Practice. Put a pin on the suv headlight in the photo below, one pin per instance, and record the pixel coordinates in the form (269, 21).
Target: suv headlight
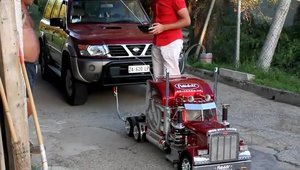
(93, 50)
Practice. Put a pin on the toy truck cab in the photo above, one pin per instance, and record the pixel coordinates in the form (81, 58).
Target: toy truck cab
(182, 120)
(201, 142)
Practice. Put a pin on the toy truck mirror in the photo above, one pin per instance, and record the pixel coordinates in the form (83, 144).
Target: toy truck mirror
(225, 114)
(179, 115)
(178, 125)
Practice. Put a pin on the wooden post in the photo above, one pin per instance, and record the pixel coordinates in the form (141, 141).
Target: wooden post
(13, 81)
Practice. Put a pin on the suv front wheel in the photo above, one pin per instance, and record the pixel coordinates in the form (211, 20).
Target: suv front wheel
(76, 91)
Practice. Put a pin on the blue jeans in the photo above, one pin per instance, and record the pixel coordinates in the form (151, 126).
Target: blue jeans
(31, 70)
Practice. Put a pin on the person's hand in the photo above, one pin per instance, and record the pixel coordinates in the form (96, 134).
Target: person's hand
(156, 28)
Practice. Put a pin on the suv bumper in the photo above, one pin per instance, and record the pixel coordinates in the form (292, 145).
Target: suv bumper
(110, 72)
(241, 165)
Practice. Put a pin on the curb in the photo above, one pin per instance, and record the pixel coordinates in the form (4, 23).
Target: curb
(264, 91)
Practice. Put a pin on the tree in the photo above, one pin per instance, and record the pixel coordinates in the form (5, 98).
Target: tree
(270, 44)
(198, 10)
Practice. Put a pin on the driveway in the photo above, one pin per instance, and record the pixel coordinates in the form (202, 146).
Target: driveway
(92, 136)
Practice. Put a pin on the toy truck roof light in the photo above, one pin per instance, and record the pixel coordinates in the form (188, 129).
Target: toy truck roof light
(197, 97)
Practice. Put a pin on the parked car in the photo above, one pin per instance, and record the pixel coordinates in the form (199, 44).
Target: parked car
(94, 41)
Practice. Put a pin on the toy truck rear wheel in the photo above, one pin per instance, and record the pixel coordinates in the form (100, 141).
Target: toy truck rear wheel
(129, 127)
(186, 162)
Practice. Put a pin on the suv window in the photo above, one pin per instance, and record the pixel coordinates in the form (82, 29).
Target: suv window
(62, 12)
(56, 8)
(48, 9)
(107, 11)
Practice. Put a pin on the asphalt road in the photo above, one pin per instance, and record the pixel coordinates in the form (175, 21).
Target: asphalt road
(92, 137)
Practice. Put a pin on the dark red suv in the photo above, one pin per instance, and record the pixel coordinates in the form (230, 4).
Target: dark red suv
(94, 41)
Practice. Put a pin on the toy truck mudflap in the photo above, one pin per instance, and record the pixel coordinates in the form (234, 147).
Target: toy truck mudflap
(239, 165)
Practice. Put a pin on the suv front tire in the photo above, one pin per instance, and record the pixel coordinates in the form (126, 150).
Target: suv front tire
(76, 92)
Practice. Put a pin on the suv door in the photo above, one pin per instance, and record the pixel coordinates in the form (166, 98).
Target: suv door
(45, 28)
(58, 35)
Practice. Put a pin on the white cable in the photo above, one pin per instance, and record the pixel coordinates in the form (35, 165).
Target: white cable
(117, 103)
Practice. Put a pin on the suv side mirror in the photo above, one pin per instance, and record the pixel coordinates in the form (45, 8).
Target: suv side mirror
(57, 22)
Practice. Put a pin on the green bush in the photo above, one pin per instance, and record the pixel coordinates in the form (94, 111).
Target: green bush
(287, 54)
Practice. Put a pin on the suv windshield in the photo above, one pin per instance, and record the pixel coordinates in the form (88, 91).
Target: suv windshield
(107, 11)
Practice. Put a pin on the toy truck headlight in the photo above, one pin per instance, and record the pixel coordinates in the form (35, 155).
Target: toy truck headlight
(243, 147)
(202, 152)
(244, 155)
(198, 160)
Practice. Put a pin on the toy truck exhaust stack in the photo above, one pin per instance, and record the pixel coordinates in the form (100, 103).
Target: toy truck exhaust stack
(181, 119)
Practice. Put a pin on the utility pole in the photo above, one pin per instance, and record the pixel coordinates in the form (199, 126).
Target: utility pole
(204, 28)
(238, 36)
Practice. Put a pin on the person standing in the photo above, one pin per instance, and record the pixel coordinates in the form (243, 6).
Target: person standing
(169, 17)
(31, 46)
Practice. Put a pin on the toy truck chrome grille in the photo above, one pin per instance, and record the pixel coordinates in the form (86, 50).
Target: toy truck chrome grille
(223, 146)
(130, 50)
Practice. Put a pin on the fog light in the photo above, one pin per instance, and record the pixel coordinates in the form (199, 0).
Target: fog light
(92, 67)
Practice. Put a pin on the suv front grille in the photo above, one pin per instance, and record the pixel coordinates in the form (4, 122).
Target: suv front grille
(132, 50)
(148, 52)
(223, 147)
(117, 51)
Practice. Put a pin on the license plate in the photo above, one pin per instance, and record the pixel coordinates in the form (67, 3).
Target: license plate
(139, 69)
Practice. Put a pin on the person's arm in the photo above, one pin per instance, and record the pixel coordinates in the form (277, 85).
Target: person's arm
(183, 21)
(27, 20)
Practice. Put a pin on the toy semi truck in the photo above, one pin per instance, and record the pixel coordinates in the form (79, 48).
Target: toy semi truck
(181, 119)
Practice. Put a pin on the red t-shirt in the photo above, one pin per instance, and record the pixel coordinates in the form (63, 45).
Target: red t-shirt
(165, 12)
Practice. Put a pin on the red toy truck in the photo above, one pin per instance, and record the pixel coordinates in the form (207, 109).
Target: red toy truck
(181, 119)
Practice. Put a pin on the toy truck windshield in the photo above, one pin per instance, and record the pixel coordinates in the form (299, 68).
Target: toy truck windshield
(200, 111)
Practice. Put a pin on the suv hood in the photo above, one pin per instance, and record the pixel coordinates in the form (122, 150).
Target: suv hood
(109, 34)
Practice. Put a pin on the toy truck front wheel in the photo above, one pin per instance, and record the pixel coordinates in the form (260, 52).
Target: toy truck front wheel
(185, 162)
(137, 133)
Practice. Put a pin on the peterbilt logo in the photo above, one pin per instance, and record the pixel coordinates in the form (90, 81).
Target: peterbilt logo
(136, 49)
(187, 86)
(224, 167)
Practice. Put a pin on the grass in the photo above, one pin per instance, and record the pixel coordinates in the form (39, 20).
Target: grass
(273, 78)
